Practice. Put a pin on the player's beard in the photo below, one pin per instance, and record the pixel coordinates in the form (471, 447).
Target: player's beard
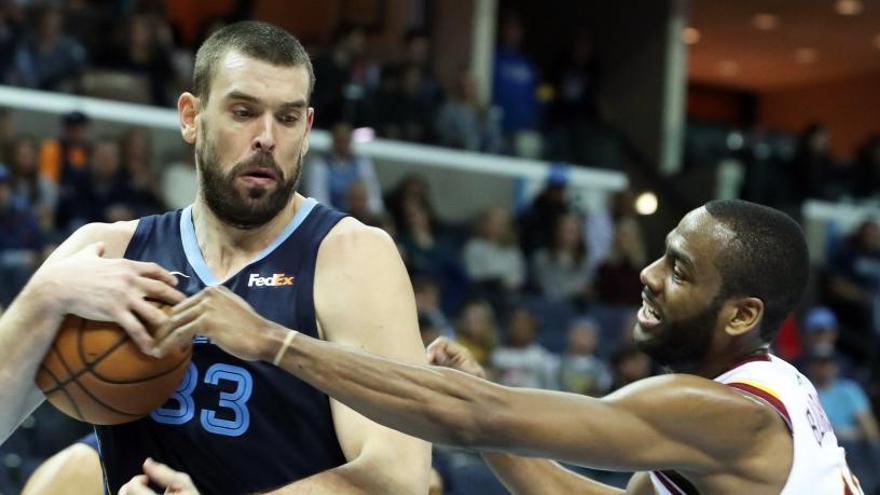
(682, 345)
(259, 205)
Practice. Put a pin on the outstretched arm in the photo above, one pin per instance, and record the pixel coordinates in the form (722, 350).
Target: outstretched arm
(520, 475)
(637, 428)
(78, 278)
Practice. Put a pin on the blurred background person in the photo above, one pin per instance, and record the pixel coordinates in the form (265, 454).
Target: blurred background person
(329, 177)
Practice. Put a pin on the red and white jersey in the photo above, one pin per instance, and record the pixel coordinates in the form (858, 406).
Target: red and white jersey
(819, 464)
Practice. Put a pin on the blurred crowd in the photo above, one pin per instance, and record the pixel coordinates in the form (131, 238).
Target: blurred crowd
(784, 169)
(535, 111)
(544, 296)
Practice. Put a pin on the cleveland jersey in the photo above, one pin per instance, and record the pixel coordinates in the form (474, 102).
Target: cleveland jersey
(234, 426)
(819, 464)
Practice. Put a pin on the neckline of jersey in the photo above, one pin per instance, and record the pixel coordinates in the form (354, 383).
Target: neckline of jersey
(197, 260)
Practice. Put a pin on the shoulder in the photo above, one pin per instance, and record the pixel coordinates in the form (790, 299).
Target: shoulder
(350, 240)
(115, 237)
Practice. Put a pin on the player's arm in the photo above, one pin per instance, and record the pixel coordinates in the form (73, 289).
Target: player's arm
(637, 428)
(76, 470)
(520, 475)
(77, 278)
(364, 300)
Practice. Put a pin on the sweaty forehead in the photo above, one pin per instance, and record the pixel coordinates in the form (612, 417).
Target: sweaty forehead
(702, 236)
(273, 83)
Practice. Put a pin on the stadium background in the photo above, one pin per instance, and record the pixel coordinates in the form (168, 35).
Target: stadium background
(527, 157)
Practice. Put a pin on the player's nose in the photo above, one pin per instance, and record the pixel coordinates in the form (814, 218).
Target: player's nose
(265, 139)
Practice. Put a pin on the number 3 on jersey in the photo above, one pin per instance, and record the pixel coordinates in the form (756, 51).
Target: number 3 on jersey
(236, 401)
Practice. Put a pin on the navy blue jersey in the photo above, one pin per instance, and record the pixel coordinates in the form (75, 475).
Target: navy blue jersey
(235, 426)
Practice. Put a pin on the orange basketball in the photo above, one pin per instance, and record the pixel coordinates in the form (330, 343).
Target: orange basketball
(95, 373)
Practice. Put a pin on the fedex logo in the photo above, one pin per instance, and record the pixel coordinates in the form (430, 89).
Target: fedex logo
(276, 280)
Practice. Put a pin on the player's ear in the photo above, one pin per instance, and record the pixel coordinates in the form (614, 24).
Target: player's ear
(188, 106)
(310, 119)
(745, 315)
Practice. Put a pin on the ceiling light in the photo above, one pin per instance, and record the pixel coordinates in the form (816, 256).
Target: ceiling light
(646, 203)
(848, 7)
(690, 35)
(728, 68)
(765, 22)
(805, 55)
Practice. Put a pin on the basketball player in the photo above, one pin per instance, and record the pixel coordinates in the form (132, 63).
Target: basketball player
(245, 427)
(731, 418)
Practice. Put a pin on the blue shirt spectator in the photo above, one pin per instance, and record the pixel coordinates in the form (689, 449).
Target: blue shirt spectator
(331, 177)
(514, 87)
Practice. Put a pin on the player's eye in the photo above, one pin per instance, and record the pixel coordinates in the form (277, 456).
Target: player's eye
(242, 113)
(288, 119)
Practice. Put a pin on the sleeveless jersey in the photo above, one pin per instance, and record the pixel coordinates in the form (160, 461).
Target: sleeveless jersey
(819, 464)
(234, 426)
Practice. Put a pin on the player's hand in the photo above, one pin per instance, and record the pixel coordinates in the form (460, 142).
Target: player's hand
(444, 352)
(88, 285)
(218, 313)
(174, 482)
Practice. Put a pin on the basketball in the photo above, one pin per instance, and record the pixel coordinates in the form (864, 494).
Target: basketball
(95, 373)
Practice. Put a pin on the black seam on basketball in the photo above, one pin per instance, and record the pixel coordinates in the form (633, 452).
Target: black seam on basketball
(90, 366)
(104, 404)
(64, 390)
(142, 379)
(86, 390)
(86, 366)
(82, 352)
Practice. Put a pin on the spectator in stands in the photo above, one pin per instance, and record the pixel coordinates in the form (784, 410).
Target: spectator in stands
(64, 160)
(463, 123)
(137, 159)
(417, 52)
(145, 51)
(331, 175)
(820, 330)
(561, 270)
(428, 250)
(476, 330)
(406, 113)
(629, 365)
(844, 400)
(427, 295)
(580, 371)
(10, 38)
(522, 362)
(32, 190)
(357, 200)
(617, 279)
(412, 187)
(866, 181)
(514, 87)
(575, 108)
(21, 241)
(537, 223)
(103, 194)
(492, 258)
(48, 59)
(345, 78)
(813, 167)
(854, 290)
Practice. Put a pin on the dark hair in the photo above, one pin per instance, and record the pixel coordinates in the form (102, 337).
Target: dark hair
(767, 259)
(256, 39)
